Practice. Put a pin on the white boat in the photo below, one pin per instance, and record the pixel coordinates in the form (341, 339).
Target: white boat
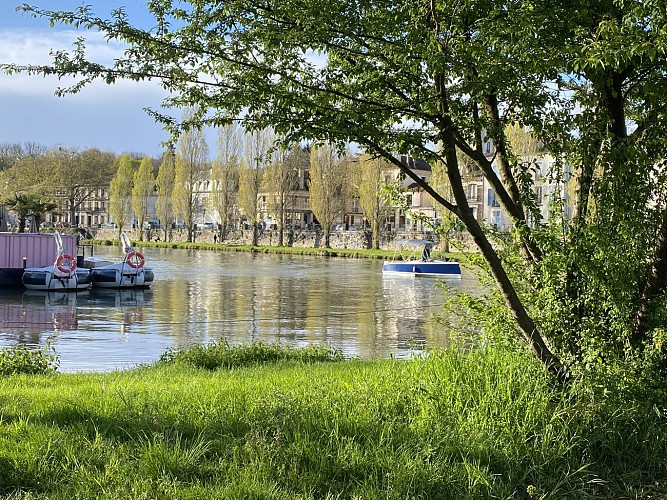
(130, 273)
(423, 265)
(62, 275)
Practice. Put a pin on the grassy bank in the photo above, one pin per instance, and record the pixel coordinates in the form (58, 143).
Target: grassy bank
(256, 422)
(330, 252)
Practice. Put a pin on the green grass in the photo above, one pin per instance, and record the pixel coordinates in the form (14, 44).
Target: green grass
(214, 356)
(486, 424)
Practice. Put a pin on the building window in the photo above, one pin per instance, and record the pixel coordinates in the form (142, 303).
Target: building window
(492, 200)
(495, 218)
(538, 195)
(472, 192)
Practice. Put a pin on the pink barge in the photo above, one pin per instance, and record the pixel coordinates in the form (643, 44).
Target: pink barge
(19, 251)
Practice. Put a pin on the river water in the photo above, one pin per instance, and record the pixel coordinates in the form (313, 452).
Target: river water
(203, 296)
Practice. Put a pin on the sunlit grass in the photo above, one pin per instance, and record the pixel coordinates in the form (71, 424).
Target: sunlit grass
(486, 424)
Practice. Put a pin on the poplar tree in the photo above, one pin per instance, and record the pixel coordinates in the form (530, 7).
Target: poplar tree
(372, 173)
(191, 169)
(164, 205)
(144, 185)
(225, 174)
(120, 193)
(256, 158)
(328, 180)
(281, 177)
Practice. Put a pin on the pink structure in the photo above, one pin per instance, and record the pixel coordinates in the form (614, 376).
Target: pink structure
(20, 250)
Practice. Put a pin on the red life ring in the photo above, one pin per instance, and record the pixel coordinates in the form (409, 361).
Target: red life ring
(66, 263)
(135, 260)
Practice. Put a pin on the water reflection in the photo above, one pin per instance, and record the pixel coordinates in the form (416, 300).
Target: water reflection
(25, 316)
(201, 296)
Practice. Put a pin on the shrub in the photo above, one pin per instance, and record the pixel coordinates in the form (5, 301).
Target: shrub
(221, 355)
(21, 359)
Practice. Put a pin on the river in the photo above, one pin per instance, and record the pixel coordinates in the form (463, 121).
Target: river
(202, 296)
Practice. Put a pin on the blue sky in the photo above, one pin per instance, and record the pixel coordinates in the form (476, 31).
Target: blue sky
(109, 117)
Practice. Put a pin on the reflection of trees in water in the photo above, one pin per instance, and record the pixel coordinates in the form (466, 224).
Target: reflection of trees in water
(302, 304)
(411, 320)
(126, 307)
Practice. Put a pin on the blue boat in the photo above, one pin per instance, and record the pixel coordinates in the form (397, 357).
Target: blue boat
(422, 265)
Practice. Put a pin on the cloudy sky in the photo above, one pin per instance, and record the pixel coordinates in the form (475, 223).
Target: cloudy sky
(109, 117)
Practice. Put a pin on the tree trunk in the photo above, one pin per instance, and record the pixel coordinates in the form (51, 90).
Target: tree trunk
(72, 213)
(526, 326)
(655, 282)
(281, 229)
(327, 236)
(376, 234)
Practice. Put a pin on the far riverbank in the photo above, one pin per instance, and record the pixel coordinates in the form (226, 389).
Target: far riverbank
(302, 238)
(320, 252)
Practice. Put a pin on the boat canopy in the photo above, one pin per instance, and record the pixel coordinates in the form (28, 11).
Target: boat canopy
(414, 243)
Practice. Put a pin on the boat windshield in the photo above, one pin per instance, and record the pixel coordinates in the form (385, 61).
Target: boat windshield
(411, 243)
(416, 246)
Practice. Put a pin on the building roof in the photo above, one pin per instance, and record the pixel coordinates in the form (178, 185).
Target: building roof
(414, 163)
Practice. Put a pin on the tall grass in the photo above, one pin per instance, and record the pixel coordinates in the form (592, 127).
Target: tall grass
(221, 355)
(486, 424)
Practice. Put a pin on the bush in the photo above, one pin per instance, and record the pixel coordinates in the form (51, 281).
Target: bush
(220, 355)
(21, 359)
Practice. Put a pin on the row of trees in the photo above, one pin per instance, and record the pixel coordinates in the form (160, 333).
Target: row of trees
(252, 173)
(249, 167)
(35, 179)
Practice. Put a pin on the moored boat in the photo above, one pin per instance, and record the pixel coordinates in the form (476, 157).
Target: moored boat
(424, 265)
(130, 273)
(62, 275)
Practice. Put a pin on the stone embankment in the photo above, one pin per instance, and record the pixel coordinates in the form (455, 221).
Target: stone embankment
(297, 238)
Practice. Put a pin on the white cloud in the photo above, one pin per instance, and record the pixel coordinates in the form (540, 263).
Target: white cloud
(27, 47)
(23, 45)
(101, 115)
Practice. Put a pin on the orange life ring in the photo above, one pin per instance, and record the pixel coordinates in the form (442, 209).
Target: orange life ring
(66, 263)
(135, 260)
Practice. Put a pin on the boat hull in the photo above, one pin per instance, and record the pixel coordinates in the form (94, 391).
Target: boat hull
(421, 268)
(11, 277)
(122, 276)
(45, 278)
